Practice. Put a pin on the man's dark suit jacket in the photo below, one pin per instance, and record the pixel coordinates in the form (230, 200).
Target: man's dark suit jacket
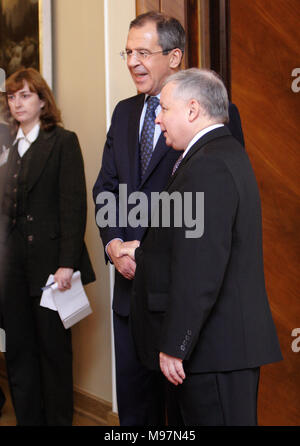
(55, 205)
(121, 165)
(203, 299)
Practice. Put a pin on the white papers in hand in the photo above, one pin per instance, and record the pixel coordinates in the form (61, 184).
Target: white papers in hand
(72, 305)
(47, 297)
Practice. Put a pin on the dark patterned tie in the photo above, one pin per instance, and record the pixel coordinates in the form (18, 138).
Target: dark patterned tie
(176, 165)
(148, 133)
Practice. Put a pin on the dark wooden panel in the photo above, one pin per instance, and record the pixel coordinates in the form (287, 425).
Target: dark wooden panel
(265, 48)
(193, 34)
(147, 5)
(174, 8)
(220, 40)
(204, 34)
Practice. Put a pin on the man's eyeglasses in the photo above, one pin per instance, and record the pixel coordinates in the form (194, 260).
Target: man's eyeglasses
(142, 54)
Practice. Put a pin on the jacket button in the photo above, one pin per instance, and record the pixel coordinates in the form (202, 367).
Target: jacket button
(30, 238)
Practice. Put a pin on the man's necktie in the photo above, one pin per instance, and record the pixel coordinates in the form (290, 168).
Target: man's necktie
(148, 134)
(176, 165)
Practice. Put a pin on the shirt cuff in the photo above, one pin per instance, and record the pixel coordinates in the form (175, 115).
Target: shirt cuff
(117, 238)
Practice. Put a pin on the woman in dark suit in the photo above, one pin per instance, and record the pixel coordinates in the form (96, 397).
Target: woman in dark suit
(44, 209)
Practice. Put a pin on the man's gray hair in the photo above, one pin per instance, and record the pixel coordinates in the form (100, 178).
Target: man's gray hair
(206, 87)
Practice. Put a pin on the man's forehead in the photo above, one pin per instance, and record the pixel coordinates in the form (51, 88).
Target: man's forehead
(167, 90)
(143, 35)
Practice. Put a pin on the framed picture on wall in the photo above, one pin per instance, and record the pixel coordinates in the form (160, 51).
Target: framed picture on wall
(25, 36)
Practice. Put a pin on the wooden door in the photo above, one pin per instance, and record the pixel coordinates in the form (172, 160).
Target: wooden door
(264, 55)
(265, 49)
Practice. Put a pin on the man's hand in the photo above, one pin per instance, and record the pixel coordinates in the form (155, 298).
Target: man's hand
(172, 368)
(122, 261)
(63, 277)
(128, 248)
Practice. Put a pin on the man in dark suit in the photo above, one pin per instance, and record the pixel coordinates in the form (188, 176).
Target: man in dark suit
(199, 309)
(154, 51)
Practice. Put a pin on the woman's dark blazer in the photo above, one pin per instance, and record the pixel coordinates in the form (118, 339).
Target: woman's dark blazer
(55, 207)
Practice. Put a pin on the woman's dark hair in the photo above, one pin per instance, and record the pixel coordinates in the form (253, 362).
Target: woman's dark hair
(50, 114)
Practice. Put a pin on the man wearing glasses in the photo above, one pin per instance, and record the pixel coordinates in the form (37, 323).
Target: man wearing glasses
(136, 155)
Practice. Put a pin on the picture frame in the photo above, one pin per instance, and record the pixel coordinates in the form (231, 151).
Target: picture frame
(45, 38)
(26, 36)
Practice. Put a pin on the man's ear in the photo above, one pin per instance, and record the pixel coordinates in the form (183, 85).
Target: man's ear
(175, 58)
(194, 110)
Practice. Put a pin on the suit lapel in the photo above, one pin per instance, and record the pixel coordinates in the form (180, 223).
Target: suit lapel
(42, 148)
(208, 137)
(133, 139)
(160, 150)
